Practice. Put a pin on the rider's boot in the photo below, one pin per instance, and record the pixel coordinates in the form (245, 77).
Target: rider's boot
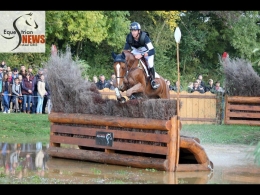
(152, 77)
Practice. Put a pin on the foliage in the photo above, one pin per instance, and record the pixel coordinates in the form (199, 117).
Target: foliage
(93, 35)
(245, 33)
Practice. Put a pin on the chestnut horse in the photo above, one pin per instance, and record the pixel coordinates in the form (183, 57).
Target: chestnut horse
(132, 76)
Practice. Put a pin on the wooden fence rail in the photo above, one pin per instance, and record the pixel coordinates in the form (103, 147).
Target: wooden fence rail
(242, 110)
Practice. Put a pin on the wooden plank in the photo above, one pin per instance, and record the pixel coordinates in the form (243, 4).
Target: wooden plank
(244, 107)
(91, 119)
(243, 114)
(201, 108)
(242, 122)
(195, 106)
(123, 146)
(109, 158)
(226, 110)
(199, 119)
(196, 94)
(184, 108)
(111, 94)
(243, 99)
(130, 135)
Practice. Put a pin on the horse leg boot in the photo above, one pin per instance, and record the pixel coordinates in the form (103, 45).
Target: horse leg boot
(152, 77)
(120, 98)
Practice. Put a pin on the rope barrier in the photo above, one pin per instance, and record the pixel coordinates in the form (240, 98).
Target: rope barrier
(20, 96)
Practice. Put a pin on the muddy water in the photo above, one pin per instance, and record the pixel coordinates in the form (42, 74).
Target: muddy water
(233, 164)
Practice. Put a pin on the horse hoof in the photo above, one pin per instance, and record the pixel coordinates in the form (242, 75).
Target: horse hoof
(122, 100)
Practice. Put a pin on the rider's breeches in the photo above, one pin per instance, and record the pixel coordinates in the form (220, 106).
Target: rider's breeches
(150, 60)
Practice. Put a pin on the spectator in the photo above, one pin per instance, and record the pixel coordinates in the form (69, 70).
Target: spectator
(20, 102)
(1, 84)
(175, 87)
(202, 83)
(6, 93)
(23, 71)
(47, 97)
(103, 83)
(27, 91)
(10, 79)
(190, 87)
(30, 70)
(168, 82)
(197, 87)
(95, 79)
(41, 93)
(217, 88)
(20, 77)
(8, 69)
(16, 93)
(35, 92)
(210, 86)
(112, 81)
(15, 74)
(3, 66)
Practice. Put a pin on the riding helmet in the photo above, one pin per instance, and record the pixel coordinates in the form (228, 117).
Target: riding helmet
(135, 26)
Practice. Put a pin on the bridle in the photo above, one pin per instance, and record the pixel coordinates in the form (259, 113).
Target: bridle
(119, 59)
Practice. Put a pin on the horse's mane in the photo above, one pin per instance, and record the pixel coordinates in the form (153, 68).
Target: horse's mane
(130, 58)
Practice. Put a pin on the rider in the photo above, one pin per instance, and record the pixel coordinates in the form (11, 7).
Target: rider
(146, 50)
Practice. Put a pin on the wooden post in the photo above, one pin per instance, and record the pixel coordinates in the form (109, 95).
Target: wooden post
(178, 112)
(172, 147)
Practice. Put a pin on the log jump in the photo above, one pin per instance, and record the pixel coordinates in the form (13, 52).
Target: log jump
(136, 142)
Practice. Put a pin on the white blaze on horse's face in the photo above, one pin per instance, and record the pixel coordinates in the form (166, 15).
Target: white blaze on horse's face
(118, 73)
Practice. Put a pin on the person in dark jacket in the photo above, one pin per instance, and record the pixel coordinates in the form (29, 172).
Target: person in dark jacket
(197, 87)
(27, 91)
(140, 45)
(36, 78)
(103, 83)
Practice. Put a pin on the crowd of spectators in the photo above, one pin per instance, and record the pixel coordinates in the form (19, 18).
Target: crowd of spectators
(198, 85)
(23, 91)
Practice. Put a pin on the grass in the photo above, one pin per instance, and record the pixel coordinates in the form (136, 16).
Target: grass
(223, 134)
(20, 128)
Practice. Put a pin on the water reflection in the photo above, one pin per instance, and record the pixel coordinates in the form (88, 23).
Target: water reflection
(24, 160)
(17, 159)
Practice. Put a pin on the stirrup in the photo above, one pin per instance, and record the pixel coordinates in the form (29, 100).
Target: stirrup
(154, 85)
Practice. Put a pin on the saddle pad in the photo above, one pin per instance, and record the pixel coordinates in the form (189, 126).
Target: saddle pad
(156, 74)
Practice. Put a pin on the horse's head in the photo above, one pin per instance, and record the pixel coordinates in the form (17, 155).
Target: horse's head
(120, 69)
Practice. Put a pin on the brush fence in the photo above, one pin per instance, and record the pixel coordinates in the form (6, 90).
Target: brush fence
(197, 108)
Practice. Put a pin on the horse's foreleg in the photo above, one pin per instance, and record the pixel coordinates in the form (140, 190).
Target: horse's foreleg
(135, 89)
(119, 97)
